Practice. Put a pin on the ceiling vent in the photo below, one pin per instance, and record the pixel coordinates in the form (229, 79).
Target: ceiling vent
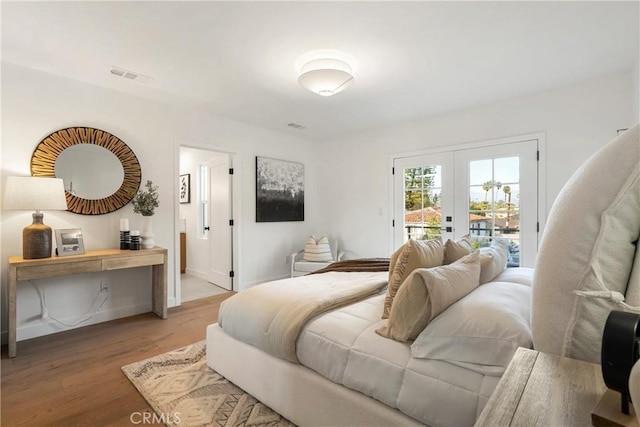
(130, 75)
(296, 126)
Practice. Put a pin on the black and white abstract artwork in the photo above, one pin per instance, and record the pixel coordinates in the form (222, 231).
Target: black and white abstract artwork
(279, 190)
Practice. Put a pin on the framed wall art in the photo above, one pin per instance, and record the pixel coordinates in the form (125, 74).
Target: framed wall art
(69, 242)
(279, 190)
(185, 188)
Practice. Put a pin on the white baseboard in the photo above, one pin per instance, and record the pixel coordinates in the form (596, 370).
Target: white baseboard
(247, 285)
(47, 327)
(195, 273)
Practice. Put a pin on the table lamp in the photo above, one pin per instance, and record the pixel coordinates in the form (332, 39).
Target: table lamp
(35, 193)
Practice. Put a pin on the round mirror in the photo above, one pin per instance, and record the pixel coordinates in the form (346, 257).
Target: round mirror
(101, 174)
(89, 171)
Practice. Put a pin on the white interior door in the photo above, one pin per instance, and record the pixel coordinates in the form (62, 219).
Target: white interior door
(490, 192)
(220, 229)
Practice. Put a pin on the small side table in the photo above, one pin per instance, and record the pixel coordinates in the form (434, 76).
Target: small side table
(539, 389)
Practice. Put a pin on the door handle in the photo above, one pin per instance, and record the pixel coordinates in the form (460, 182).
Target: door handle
(447, 229)
(206, 229)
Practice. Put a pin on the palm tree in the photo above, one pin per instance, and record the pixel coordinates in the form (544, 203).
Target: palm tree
(487, 186)
(507, 191)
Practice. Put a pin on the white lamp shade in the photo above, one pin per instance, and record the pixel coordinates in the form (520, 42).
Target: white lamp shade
(31, 193)
(326, 77)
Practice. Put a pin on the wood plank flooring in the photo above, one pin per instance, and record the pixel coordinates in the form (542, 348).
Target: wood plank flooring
(73, 378)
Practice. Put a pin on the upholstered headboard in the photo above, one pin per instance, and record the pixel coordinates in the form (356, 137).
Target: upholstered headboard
(589, 262)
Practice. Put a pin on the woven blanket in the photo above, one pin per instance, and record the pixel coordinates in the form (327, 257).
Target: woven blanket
(355, 265)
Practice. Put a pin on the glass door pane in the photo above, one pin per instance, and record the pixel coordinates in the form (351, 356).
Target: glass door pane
(494, 183)
(423, 193)
(493, 211)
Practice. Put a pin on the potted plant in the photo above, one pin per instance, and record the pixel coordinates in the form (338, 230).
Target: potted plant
(144, 203)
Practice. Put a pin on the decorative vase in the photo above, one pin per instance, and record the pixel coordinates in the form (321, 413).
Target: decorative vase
(146, 237)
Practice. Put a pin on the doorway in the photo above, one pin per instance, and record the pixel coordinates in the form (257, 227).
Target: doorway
(206, 224)
(486, 191)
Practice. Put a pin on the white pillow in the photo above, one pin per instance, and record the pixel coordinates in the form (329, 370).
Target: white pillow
(493, 260)
(520, 275)
(485, 327)
(317, 250)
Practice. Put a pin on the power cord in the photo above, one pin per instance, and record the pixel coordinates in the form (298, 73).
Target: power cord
(93, 310)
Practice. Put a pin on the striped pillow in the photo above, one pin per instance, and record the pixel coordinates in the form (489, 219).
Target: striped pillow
(317, 250)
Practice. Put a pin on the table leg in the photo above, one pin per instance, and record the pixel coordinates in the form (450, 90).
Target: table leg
(159, 289)
(11, 302)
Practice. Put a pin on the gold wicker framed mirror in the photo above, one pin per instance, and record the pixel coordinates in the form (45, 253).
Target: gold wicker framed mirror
(43, 163)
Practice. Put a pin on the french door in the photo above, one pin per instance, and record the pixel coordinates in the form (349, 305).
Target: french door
(423, 197)
(490, 192)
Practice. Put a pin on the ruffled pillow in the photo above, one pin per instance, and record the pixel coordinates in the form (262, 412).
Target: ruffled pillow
(413, 254)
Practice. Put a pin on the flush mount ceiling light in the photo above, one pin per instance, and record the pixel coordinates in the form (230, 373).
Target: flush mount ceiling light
(325, 76)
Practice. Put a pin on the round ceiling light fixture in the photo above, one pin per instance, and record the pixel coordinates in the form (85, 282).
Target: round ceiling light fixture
(325, 76)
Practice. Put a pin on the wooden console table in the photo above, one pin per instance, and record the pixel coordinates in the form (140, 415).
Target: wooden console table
(92, 261)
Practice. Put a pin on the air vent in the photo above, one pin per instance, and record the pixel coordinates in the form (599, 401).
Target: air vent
(130, 75)
(296, 126)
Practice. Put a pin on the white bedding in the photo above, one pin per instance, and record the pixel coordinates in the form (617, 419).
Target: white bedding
(342, 345)
(368, 377)
(270, 316)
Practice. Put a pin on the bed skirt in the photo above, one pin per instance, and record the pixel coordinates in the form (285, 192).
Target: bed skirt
(297, 393)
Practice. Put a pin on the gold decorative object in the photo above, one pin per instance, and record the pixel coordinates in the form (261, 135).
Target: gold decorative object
(44, 157)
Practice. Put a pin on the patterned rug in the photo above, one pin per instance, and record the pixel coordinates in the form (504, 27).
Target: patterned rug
(185, 392)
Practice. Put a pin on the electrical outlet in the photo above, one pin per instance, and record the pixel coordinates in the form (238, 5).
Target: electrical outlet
(104, 286)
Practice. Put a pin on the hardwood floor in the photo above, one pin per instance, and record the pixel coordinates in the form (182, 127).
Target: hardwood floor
(73, 378)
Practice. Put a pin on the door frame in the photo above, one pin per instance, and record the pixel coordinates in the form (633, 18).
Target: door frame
(236, 191)
(542, 150)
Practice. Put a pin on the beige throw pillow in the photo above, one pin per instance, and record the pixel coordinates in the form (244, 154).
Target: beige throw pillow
(317, 250)
(426, 293)
(413, 254)
(453, 251)
(493, 260)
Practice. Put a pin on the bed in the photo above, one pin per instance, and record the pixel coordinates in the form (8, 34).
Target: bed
(341, 371)
(344, 373)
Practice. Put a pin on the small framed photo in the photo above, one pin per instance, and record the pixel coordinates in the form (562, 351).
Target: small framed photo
(69, 242)
(185, 188)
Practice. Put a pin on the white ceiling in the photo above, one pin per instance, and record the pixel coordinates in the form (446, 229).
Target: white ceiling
(237, 59)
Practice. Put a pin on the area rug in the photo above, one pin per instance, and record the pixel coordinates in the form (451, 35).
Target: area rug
(185, 392)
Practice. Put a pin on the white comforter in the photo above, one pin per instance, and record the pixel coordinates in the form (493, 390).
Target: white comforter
(342, 346)
(270, 316)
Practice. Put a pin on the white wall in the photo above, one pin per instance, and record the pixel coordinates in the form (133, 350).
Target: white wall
(576, 120)
(635, 90)
(35, 104)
